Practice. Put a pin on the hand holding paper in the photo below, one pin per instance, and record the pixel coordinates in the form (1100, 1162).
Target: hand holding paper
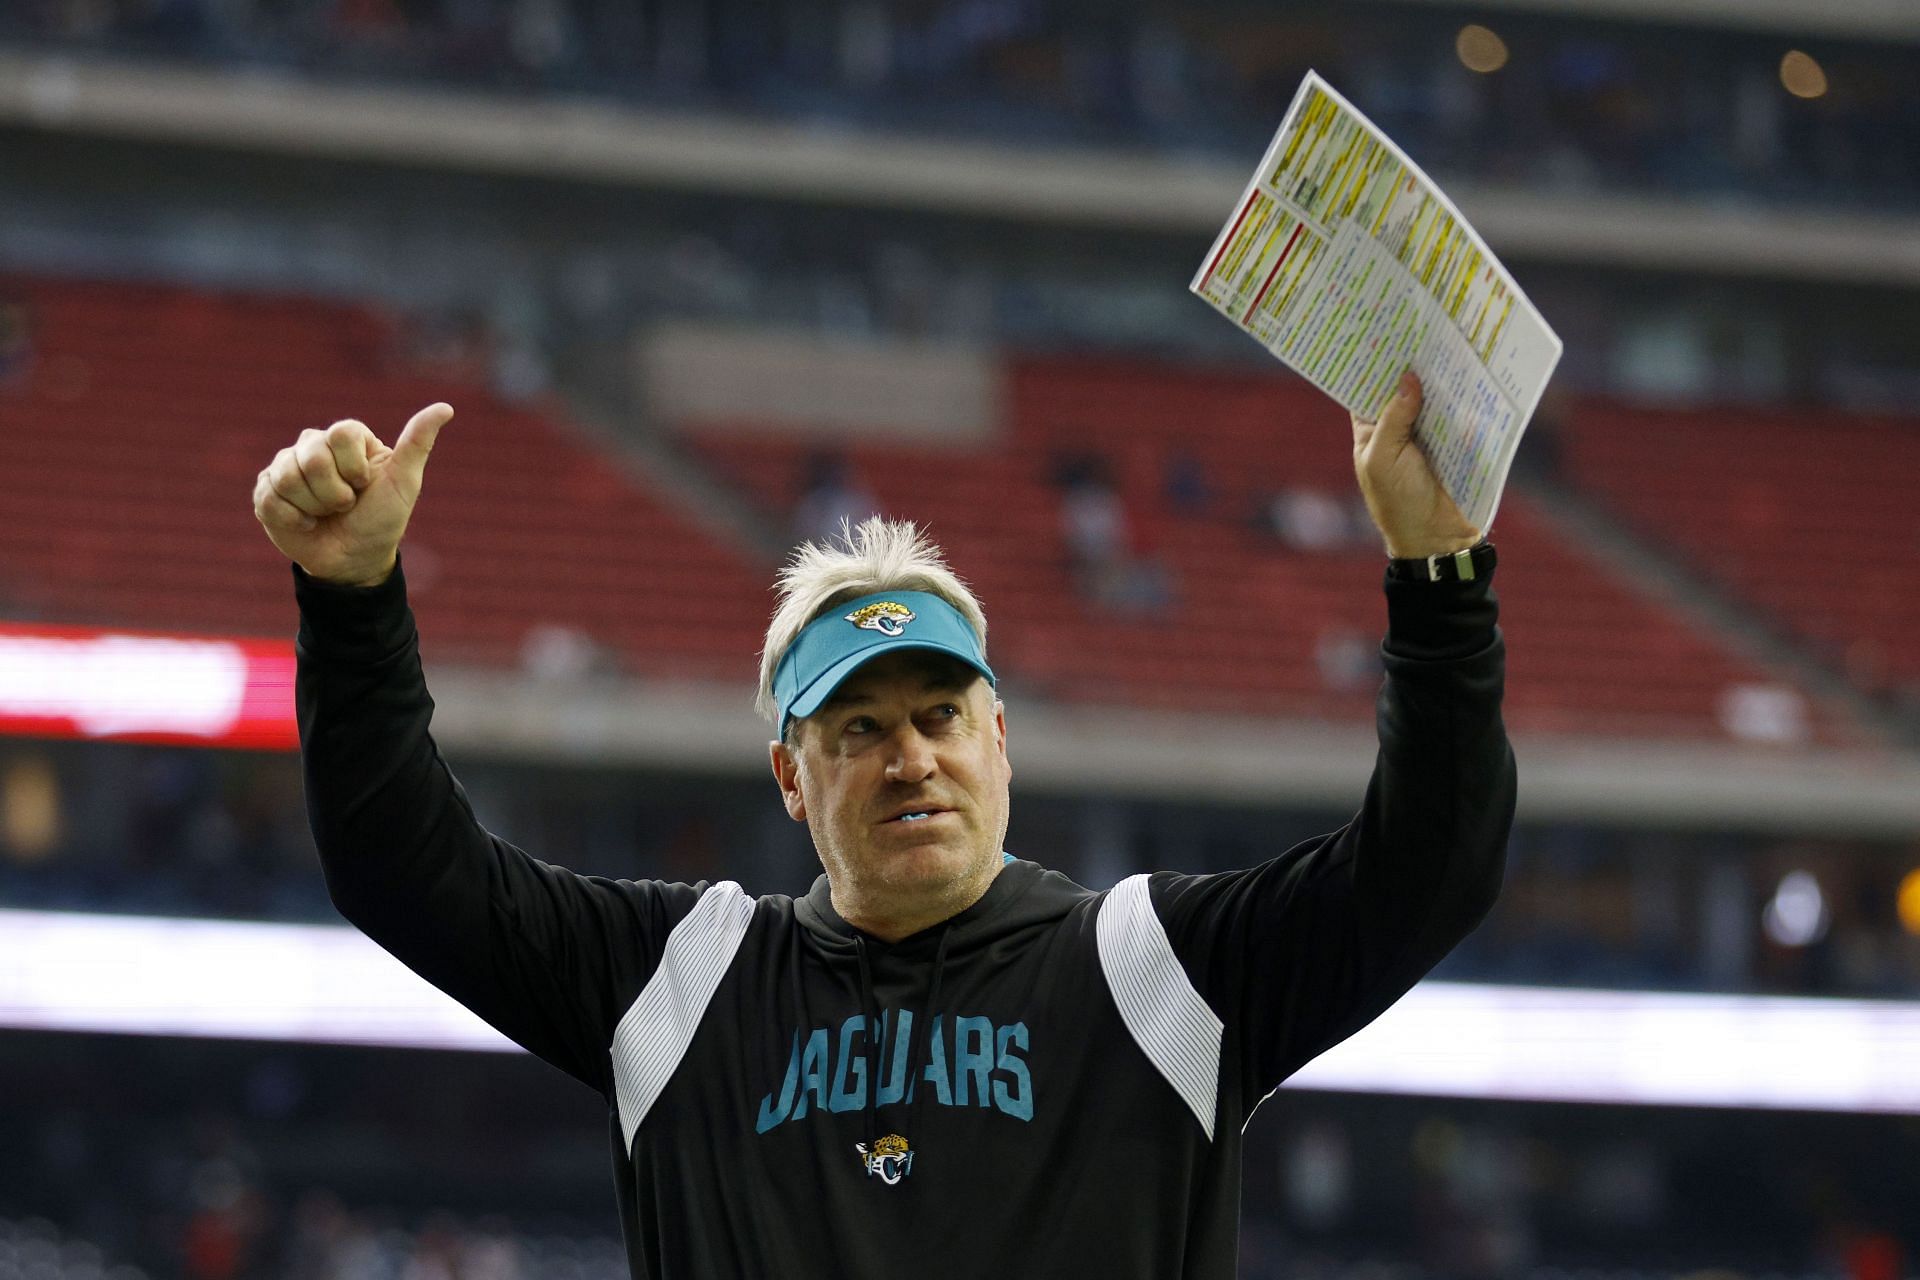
(1345, 261)
(1403, 495)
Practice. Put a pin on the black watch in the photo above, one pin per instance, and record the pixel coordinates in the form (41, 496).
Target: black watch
(1473, 562)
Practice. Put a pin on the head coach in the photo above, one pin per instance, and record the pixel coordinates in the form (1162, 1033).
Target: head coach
(943, 1060)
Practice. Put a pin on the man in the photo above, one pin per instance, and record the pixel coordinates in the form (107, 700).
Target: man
(941, 1061)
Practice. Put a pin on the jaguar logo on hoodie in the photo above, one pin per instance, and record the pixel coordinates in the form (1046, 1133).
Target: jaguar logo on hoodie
(890, 1159)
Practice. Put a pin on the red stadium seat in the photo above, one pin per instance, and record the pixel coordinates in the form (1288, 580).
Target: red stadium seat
(150, 410)
(1806, 514)
(1590, 653)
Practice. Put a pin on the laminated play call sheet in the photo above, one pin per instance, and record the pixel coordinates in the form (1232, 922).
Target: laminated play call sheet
(1346, 261)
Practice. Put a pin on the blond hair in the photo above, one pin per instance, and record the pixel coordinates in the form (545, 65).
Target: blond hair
(876, 555)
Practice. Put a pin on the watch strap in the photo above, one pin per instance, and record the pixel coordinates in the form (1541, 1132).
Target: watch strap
(1464, 565)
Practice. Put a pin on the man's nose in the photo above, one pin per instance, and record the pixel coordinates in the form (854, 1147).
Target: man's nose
(912, 759)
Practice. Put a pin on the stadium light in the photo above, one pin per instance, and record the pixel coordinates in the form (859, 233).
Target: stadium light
(328, 984)
(1480, 49)
(1907, 901)
(1801, 75)
(1797, 914)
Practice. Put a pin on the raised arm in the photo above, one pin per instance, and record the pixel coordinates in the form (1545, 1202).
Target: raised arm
(549, 958)
(1300, 952)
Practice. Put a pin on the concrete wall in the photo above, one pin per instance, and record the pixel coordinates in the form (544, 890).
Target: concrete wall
(819, 387)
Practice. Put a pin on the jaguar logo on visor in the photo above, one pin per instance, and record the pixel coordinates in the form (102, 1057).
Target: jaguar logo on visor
(884, 616)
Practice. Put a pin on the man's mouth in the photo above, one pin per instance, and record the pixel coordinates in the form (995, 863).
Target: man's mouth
(916, 815)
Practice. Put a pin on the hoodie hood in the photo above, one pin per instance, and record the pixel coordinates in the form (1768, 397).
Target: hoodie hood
(1022, 894)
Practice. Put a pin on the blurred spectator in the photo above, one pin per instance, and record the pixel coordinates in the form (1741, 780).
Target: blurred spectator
(908, 288)
(1317, 1176)
(437, 1249)
(1313, 520)
(1348, 659)
(520, 328)
(1767, 713)
(16, 343)
(561, 654)
(1184, 485)
(831, 499)
(453, 342)
(1093, 523)
(225, 1212)
(1097, 530)
(1308, 520)
(542, 34)
(321, 1232)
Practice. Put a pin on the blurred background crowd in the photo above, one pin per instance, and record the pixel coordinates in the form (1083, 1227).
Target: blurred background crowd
(1589, 106)
(316, 1163)
(172, 831)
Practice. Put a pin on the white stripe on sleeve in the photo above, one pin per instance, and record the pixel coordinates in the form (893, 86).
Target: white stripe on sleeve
(1170, 1021)
(656, 1029)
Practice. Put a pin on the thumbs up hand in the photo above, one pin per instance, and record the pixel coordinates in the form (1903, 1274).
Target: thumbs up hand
(337, 501)
(1403, 494)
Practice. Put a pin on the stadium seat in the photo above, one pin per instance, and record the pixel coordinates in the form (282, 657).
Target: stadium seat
(1805, 515)
(1590, 654)
(150, 410)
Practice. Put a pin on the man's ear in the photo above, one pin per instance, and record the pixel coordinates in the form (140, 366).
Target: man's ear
(1000, 733)
(786, 772)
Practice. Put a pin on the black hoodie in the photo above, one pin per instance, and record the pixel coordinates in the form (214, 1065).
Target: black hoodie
(1064, 1076)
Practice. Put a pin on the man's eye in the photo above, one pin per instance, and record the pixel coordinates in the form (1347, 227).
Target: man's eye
(862, 724)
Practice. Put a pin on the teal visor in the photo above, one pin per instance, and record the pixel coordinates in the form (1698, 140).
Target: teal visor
(838, 642)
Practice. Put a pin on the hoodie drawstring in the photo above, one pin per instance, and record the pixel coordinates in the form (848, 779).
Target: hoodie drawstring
(876, 1022)
(876, 1052)
(933, 1011)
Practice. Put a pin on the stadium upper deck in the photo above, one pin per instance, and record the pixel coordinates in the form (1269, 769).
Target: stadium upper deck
(1560, 100)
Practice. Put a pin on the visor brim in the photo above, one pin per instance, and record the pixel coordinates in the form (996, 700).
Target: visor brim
(811, 698)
